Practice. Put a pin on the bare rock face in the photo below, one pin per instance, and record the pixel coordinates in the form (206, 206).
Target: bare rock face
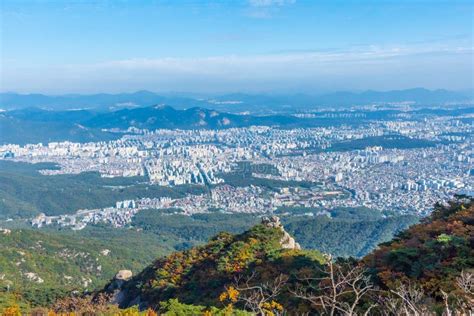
(119, 280)
(115, 288)
(286, 242)
(124, 275)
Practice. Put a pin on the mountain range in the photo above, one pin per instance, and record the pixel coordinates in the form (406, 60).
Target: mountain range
(237, 102)
(33, 125)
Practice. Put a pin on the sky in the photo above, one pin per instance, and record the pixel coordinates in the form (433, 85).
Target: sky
(255, 46)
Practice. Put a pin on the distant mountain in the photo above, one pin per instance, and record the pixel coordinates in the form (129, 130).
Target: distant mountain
(101, 101)
(236, 102)
(167, 117)
(417, 96)
(32, 125)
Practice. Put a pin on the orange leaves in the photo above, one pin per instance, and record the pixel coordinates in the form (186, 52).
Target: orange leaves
(11, 311)
(429, 254)
(272, 308)
(230, 294)
(150, 312)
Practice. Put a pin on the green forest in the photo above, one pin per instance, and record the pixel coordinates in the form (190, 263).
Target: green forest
(425, 269)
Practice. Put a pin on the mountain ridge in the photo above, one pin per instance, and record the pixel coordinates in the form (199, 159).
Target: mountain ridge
(438, 270)
(425, 270)
(234, 102)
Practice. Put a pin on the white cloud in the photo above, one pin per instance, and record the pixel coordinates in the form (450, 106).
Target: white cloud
(376, 67)
(270, 3)
(302, 61)
(265, 9)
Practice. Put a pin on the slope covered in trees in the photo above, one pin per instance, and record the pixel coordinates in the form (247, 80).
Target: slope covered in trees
(346, 237)
(202, 274)
(40, 267)
(425, 270)
(430, 255)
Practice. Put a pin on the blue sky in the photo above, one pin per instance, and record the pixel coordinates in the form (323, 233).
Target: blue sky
(276, 46)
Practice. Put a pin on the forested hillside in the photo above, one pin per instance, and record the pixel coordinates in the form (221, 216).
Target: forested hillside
(430, 255)
(40, 267)
(425, 270)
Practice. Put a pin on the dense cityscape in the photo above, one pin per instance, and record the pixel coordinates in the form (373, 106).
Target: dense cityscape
(402, 165)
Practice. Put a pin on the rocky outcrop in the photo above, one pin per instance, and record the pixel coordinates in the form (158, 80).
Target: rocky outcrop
(115, 287)
(119, 280)
(286, 242)
(124, 275)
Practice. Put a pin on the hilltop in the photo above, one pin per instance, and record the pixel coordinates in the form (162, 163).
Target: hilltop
(425, 269)
(431, 254)
(200, 275)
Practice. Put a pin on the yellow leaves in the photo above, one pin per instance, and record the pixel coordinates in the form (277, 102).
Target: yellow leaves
(150, 312)
(231, 295)
(131, 311)
(241, 254)
(229, 310)
(223, 296)
(272, 308)
(207, 313)
(12, 311)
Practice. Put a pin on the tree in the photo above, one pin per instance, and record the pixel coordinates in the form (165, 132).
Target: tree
(260, 298)
(338, 291)
(405, 299)
(410, 299)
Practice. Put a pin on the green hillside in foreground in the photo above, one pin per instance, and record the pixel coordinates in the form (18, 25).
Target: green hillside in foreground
(42, 266)
(199, 275)
(427, 269)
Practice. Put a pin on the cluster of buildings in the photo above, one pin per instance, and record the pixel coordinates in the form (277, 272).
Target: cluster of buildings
(223, 198)
(117, 216)
(405, 179)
